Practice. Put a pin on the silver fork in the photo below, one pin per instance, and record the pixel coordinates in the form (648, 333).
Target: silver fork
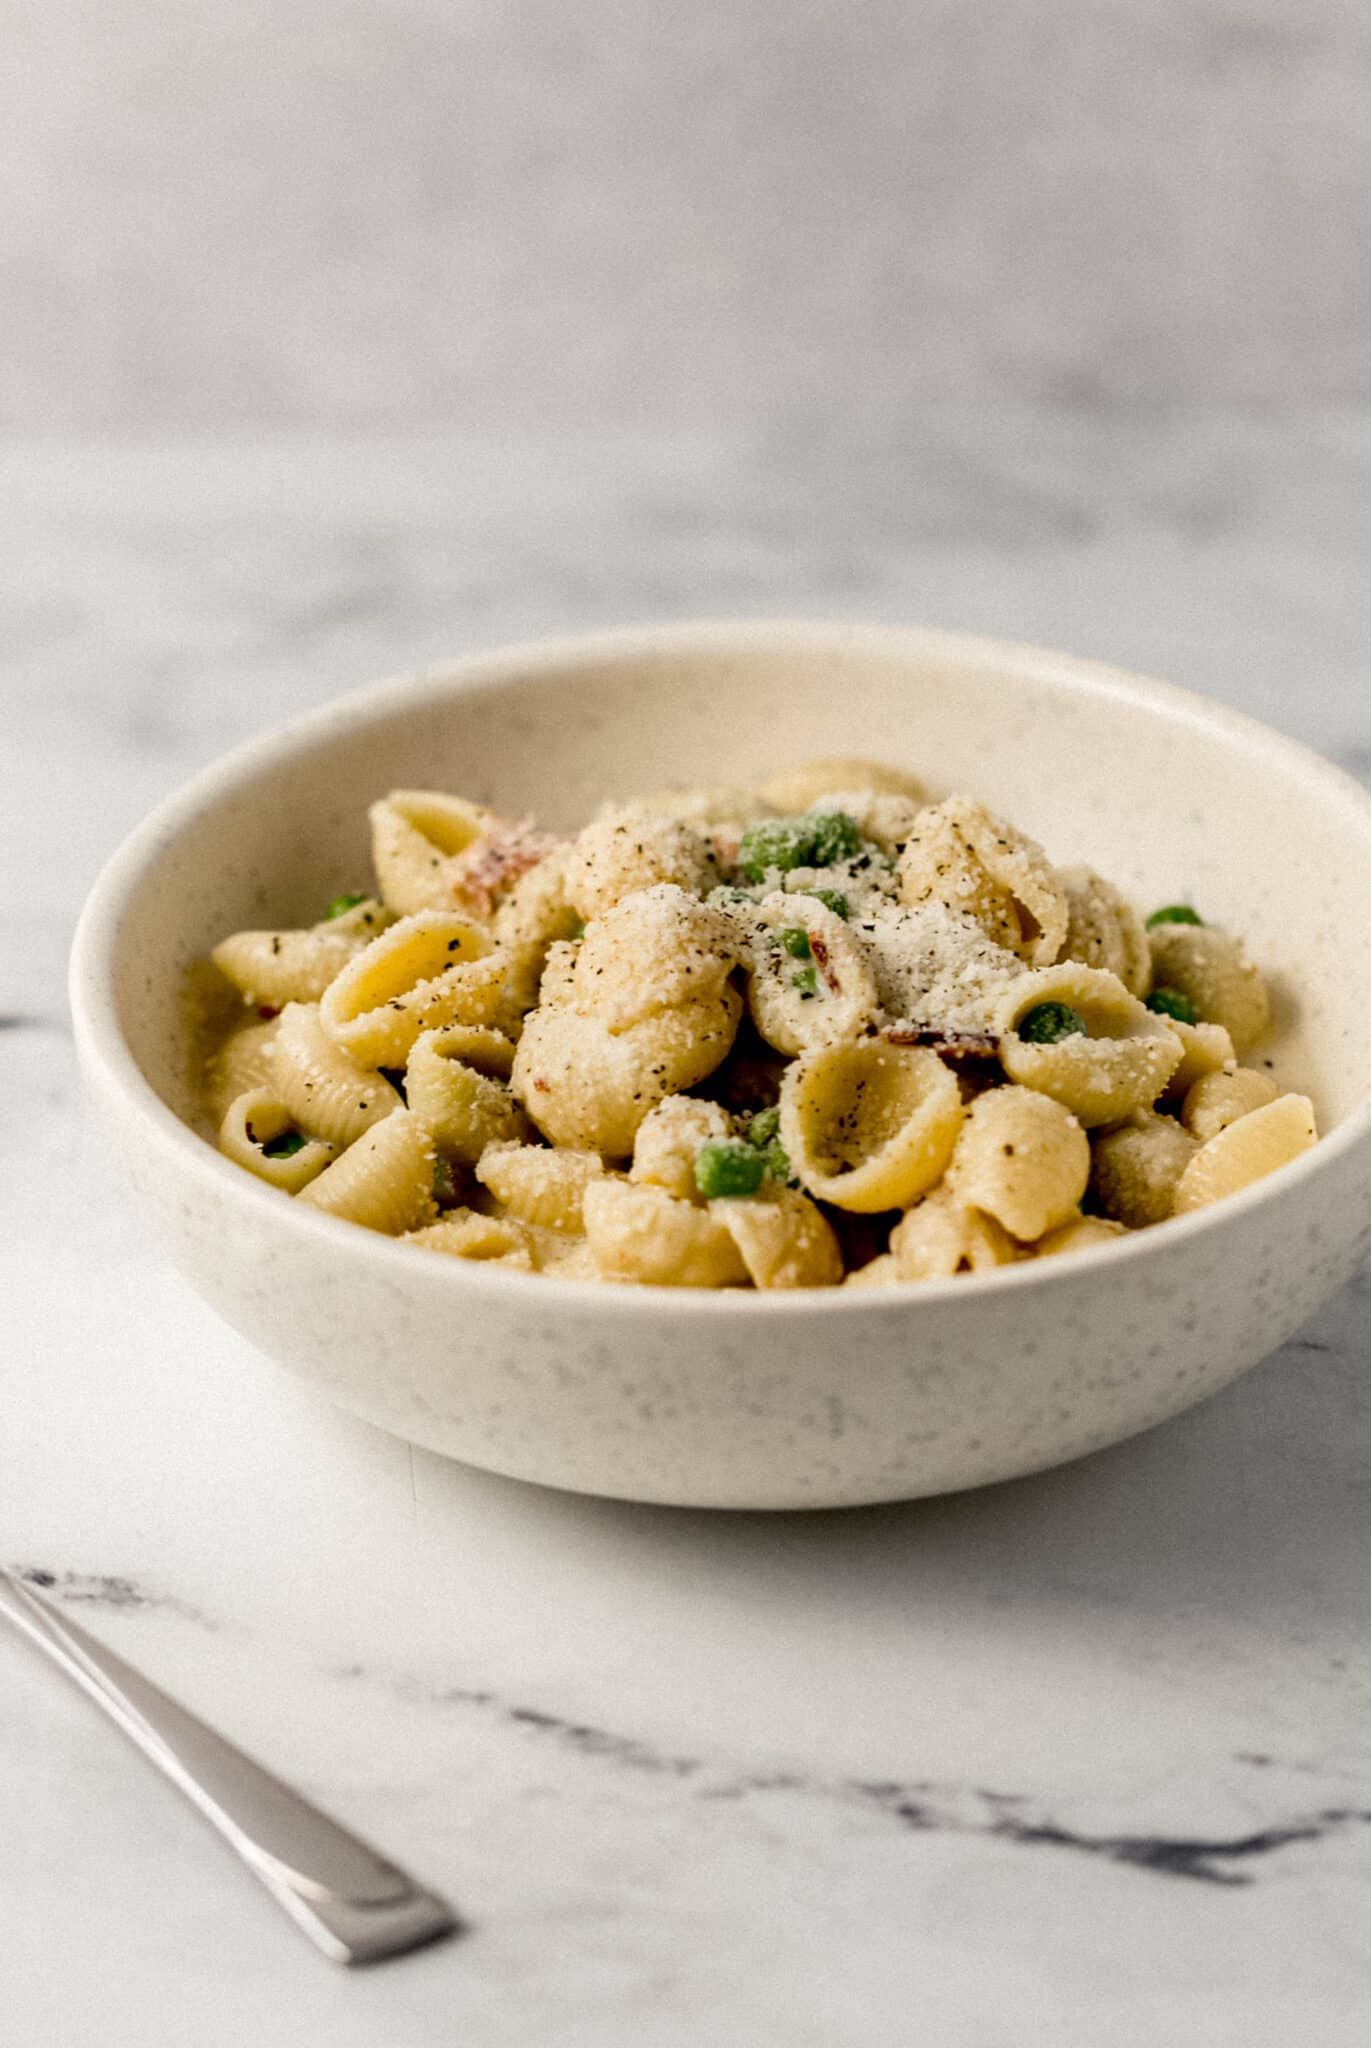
(352, 1902)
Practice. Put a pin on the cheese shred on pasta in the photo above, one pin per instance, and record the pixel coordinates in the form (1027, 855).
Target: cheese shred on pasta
(818, 1030)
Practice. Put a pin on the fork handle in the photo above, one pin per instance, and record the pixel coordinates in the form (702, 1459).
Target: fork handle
(352, 1902)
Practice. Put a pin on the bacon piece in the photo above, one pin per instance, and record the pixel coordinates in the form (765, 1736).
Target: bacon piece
(821, 960)
(492, 864)
(953, 1046)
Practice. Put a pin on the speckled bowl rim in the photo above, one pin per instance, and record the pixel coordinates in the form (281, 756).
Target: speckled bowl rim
(108, 1058)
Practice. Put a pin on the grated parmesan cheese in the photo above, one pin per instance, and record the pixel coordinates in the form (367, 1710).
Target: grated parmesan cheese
(933, 967)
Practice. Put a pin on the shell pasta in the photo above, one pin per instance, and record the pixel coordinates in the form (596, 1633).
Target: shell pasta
(824, 1030)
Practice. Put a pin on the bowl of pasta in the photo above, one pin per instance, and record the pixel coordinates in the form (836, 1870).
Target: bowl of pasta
(752, 1064)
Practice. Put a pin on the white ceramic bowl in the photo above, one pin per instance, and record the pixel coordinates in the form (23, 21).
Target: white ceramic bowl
(758, 1400)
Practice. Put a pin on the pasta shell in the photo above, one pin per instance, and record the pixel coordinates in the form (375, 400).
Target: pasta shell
(1246, 1151)
(326, 1091)
(878, 1272)
(589, 1087)
(539, 1185)
(644, 1234)
(941, 1236)
(463, 1234)
(730, 806)
(668, 1140)
(1210, 968)
(828, 995)
(1206, 1049)
(1217, 1100)
(278, 967)
(1104, 930)
(1136, 1170)
(795, 789)
(1119, 1064)
(869, 1126)
(536, 912)
(384, 1181)
(657, 949)
(979, 866)
(632, 849)
(250, 1123)
(466, 1109)
(887, 819)
(430, 969)
(1082, 1234)
(239, 1066)
(416, 837)
(784, 1240)
(1023, 1159)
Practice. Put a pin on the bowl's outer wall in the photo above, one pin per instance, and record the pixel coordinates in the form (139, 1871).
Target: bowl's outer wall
(626, 1396)
(893, 1399)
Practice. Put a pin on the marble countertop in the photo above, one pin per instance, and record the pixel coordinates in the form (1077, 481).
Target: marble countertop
(1082, 1759)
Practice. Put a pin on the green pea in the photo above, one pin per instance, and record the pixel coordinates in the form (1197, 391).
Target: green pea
(726, 1166)
(776, 1160)
(832, 899)
(1048, 1023)
(341, 905)
(1174, 913)
(806, 980)
(836, 836)
(1170, 1002)
(762, 1126)
(285, 1145)
(795, 941)
(782, 843)
(580, 931)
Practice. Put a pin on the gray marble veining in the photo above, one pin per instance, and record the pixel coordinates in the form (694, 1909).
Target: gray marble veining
(1079, 1759)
